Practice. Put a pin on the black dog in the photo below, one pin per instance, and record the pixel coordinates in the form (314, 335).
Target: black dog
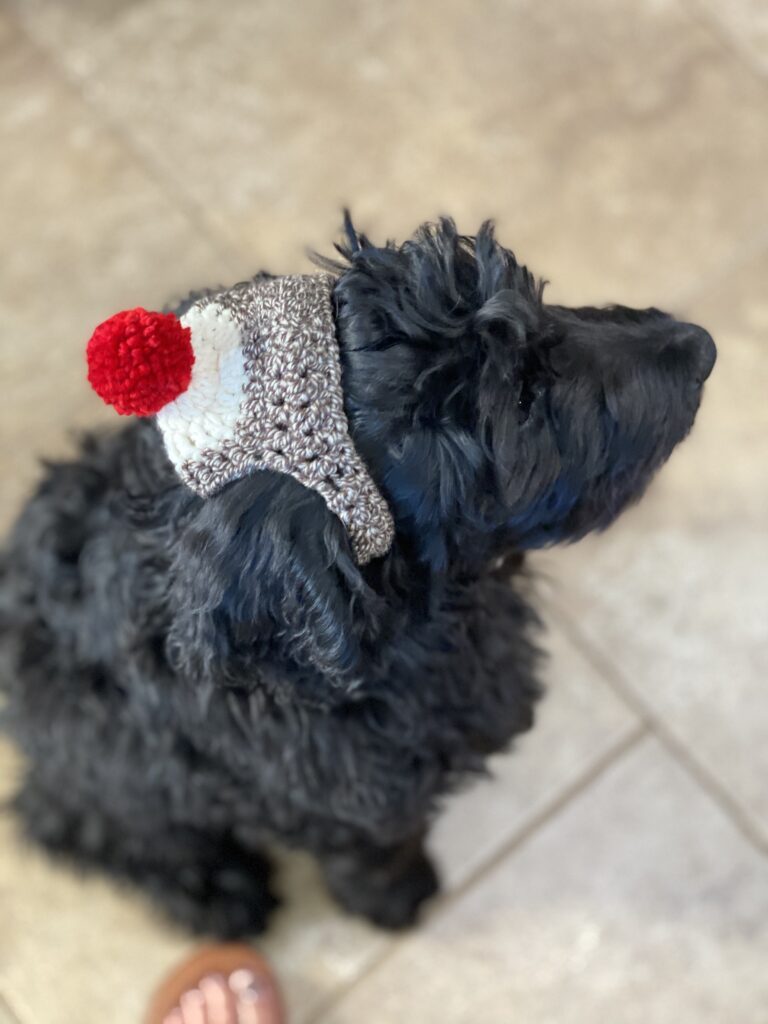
(191, 679)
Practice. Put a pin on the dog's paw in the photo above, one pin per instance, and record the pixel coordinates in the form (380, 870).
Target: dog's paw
(392, 903)
(228, 901)
(399, 906)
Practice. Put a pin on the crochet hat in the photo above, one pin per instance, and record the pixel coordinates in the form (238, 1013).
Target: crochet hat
(246, 379)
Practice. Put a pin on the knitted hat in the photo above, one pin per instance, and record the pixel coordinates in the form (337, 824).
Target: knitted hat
(246, 379)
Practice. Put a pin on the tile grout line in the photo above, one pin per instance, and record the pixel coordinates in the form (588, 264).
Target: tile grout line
(171, 191)
(634, 733)
(730, 39)
(573, 789)
(7, 1009)
(754, 248)
(703, 778)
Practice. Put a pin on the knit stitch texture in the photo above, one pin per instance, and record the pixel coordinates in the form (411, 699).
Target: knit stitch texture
(289, 415)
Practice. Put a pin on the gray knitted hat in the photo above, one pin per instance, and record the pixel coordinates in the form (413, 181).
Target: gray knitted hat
(247, 379)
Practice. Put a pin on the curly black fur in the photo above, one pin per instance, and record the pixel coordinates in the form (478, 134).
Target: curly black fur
(192, 679)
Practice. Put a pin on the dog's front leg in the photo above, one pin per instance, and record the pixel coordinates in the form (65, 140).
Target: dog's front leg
(385, 884)
(201, 879)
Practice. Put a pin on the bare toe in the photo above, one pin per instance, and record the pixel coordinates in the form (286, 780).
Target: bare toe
(228, 984)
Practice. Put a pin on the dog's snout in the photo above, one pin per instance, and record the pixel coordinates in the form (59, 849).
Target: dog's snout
(701, 348)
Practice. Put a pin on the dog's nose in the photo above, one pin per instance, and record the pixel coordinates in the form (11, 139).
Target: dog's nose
(701, 348)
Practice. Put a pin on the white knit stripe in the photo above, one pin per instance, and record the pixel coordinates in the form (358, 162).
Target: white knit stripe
(206, 414)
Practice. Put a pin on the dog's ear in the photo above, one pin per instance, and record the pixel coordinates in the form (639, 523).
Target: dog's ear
(265, 574)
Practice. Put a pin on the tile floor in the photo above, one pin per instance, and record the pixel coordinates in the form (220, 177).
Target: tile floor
(615, 868)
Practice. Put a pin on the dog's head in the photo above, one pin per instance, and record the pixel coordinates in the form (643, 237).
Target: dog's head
(490, 419)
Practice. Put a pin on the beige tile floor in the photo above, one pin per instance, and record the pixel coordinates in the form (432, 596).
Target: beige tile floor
(615, 867)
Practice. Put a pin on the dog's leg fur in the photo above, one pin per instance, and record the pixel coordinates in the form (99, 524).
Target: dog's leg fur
(206, 882)
(387, 885)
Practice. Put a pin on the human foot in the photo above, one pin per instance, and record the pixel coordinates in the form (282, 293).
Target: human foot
(228, 984)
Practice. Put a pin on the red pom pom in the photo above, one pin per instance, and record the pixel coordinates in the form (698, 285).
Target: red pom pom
(140, 361)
